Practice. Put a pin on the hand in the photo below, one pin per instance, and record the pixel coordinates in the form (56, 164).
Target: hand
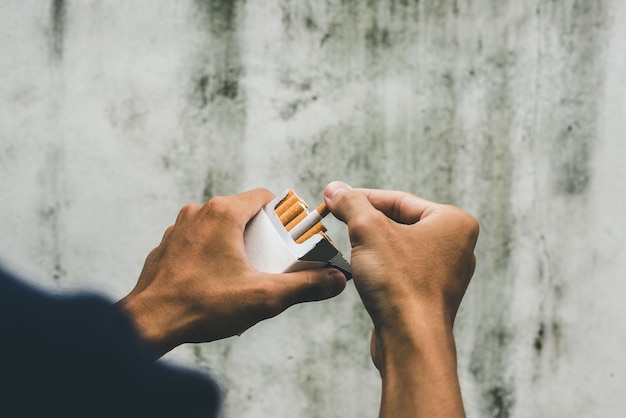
(198, 285)
(412, 261)
(407, 253)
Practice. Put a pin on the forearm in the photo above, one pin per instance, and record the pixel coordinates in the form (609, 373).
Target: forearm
(418, 370)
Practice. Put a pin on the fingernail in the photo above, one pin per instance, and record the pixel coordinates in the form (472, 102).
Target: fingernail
(338, 282)
(335, 188)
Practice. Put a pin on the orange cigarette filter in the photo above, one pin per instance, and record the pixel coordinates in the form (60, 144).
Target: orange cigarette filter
(286, 203)
(322, 209)
(292, 210)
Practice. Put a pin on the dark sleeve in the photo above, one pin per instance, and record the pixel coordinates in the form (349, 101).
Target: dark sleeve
(78, 356)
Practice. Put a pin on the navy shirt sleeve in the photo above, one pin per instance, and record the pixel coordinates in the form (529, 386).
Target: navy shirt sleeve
(78, 356)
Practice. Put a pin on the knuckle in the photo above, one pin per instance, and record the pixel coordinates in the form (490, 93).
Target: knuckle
(167, 233)
(265, 192)
(187, 211)
(466, 223)
(461, 215)
(471, 225)
(218, 207)
(365, 221)
(366, 225)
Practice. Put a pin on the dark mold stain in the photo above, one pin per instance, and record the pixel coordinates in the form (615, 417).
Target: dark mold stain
(199, 356)
(286, 15)
(201, 89)
(487, 367)
(397, 6)
(290, 109)
(352, 153)
(228, 87)
(220, 66)
(547, 346)
(58, 272)
(577, 92)
(50, 213)
(548, 339)
(58, 13)
(500, 402)
(538, 343)
(377, 37)
(219, 15)
(572, 161)
(219, 181)
(557, 335)
(213, 122)
(209, 88)
(310, 24)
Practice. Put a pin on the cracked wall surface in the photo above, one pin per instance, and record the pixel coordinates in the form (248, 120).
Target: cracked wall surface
(115, 114)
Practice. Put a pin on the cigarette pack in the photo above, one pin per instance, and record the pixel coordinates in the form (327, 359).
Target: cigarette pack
(270, 247)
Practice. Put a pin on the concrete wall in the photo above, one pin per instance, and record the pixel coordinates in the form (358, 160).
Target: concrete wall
(113, 114)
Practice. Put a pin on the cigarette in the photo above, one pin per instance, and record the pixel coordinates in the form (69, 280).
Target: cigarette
(309, 222)
(295, 221)
(292, 212)
(318, 228)
(286, 203)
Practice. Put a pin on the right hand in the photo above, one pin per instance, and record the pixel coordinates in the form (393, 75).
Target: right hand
(412, 259)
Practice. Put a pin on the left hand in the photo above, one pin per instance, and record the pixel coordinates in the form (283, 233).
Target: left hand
(199, 286)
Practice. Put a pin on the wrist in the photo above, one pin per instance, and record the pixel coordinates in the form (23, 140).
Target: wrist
(417, 363)
(151, 323)
(416, 334)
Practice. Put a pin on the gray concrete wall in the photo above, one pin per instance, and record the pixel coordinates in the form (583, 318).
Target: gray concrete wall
(113, 114)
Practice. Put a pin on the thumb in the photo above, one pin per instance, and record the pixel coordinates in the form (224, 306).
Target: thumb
(354, 208)
(308, 286)
(345, 202)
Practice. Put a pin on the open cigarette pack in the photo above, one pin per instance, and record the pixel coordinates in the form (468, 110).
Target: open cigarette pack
(284, 237)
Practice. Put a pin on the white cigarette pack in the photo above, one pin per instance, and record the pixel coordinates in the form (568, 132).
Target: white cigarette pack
(271, 249)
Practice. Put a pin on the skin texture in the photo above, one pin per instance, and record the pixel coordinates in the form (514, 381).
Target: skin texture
(412, 261)
(198, 286)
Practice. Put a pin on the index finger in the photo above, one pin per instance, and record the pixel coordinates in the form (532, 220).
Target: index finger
(249, 203)
(237, 210)
(400, 206)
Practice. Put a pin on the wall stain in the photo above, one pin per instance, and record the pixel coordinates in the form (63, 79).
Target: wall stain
(341, 356)
(218, 182)
(301, 86)
(350, 152)
(377, 37)
(547, 342)
(573, 163)
(218, 15)
(494, 70)
(575, 109)
(214, 118)
(539, 339)
(310, 24)
(201, 88)
(208, 88)
(501, 402)
(50, 214)
(58, 15)
(487, 367)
